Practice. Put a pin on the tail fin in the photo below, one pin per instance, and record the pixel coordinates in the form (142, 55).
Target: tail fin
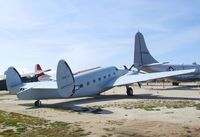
(65, 79)
(141, 54)
(13, 79)
(38, 68)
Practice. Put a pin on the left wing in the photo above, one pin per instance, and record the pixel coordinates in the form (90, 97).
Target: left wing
(137, 77)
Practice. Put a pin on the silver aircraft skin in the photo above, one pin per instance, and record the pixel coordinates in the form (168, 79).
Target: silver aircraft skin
(144, 61)
(88, 83)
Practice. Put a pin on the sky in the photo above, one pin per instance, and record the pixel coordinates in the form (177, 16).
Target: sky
(91, 33)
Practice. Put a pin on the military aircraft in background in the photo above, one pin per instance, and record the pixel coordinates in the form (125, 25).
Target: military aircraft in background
(87, 83)
(144, 61)
(39, 74)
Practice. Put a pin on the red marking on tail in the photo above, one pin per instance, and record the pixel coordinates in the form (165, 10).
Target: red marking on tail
(39, 68)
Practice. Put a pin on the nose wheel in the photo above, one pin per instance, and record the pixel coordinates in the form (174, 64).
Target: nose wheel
(129, 91)
(37, 103)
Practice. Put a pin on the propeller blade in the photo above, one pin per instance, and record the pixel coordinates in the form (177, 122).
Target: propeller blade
(125, 67)
(131, 67)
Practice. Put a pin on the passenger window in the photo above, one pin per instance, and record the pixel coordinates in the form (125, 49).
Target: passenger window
(88, 83)
(94, 81)
(104, 77)
(114, 73)
(81, 85)
(108, 75)
(99, 79)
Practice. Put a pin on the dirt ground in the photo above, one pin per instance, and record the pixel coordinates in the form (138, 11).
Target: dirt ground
(109, 115)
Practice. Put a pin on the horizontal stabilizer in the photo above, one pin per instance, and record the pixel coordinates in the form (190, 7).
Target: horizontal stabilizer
(155, 64)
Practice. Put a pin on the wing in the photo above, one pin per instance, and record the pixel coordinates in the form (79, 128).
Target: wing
(34, 73)
(137, 77)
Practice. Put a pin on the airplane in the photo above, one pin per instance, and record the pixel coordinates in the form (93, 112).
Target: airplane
(42, 76)
(88, 83)
(143, 60)
(28, 77)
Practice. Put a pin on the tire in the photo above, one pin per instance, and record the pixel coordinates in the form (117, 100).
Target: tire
(37, 103)
(129, 92)
(175, 83)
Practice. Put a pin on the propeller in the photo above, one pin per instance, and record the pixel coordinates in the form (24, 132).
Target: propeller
(125, 67)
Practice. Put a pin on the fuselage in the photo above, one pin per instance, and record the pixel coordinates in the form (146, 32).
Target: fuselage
(195, 76)
(93, 82)
(86, 84)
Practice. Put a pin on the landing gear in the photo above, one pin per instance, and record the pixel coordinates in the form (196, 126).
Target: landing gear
(129, 91)
(37, 103)
(175, 83)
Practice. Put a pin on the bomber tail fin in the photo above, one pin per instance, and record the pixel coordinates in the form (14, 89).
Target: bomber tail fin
(13, 80)
(142, 55)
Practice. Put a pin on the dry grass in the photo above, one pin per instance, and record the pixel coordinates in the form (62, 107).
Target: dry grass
(14, 124)
(151, 105)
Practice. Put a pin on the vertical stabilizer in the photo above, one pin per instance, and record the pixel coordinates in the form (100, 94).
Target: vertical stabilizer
(13, 79)
(65, 79)
(141, 53)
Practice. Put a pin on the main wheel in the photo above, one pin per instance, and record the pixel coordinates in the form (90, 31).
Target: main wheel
(175, 83)
(129, 91)
(38, 103)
